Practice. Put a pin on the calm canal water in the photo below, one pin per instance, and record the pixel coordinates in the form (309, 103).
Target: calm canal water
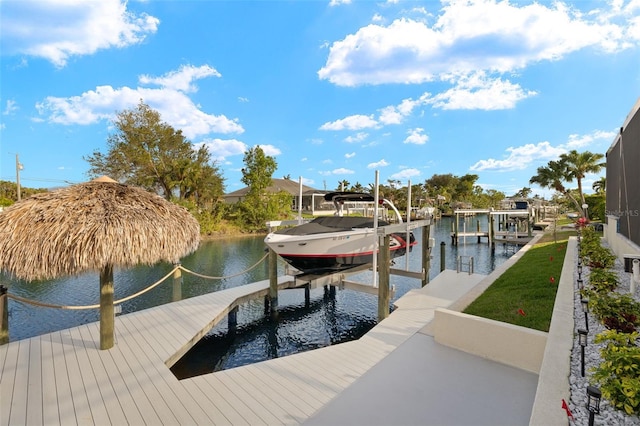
(324, 321)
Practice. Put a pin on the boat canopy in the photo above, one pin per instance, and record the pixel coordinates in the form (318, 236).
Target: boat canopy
(325, 224)
(348, 196)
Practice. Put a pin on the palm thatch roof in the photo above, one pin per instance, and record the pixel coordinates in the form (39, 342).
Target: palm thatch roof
(91, 225)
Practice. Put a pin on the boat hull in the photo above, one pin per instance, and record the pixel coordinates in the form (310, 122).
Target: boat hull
(335, 251)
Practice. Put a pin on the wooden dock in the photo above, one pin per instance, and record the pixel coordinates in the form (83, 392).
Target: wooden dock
(64, 378)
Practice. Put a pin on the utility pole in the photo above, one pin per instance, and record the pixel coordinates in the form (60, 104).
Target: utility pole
(18, 168)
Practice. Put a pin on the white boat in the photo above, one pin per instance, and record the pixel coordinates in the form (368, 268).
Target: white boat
(334, 243)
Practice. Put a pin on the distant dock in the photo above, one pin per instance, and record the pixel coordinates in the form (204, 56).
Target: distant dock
(513, 226)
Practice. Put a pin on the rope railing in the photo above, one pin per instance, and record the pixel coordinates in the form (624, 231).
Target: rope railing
(225, 277)
(133, 296)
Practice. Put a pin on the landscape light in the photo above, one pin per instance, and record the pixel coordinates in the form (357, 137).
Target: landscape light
(585, 309)
(582, 340)
(579, 269)
(593, 402)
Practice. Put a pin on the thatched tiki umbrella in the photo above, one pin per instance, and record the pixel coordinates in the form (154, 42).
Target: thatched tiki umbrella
(93, 226)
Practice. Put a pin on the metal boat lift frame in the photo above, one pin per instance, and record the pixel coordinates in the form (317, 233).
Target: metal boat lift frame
(339, 279)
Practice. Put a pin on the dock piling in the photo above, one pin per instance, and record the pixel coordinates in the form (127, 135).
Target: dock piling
(383, 273)
(273, 282)
(177, 284)
(4, 316)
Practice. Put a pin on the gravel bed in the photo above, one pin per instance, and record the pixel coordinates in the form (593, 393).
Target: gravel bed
(578, 384)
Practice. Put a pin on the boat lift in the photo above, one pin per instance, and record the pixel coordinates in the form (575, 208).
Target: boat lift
(381, 263)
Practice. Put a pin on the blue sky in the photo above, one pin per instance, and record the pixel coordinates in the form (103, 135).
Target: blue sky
(333, 89)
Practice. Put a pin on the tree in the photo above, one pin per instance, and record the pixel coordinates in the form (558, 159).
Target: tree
(259, 206)
(569, 166)
(525, 192)
(147, 152)
(579, 165)
(552, 176)
(343, 185)
(600, 186)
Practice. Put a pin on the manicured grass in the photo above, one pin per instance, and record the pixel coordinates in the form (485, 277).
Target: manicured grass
(525, 294)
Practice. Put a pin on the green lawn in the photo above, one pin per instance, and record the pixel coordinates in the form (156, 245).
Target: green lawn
(525, 294)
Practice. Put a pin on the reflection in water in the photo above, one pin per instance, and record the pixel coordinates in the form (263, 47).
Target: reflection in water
(324, 321)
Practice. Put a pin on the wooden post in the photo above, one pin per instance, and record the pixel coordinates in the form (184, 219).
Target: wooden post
(273, 282)
(4, 316)
(307, 295)
(478, 230)
(177, 284)
(106, 308)
(383, 273)
(443, 261)
(232, 321)
(490, 229)
(454, 240)
(426, 254)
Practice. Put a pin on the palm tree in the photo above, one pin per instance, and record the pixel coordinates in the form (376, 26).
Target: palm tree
(570, 166)
(552, 176)
(579, 165)
(600, 186)
(343, 185)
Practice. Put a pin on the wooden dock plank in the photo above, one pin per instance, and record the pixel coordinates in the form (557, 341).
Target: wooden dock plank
(63, 384)
(50, 413)
(289, 389)
(102, 381)
(7, 380)
(18, 408)
(131, 383)
(35, 388)
(234, 410)
(188, 403)
(89, 381)
(140, 361)
(257, 400)
(138, 408)
(279, 404)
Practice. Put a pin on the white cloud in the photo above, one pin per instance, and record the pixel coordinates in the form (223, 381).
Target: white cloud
(416, 136)
(338, 2)
(581, 141)
(174, 106)
(57, 30)
(392, 114)
(477, 91)
(220, 149)
(10, 107)
(353, 122)
(358, 137)
(349, 155)
(405, 174)
(468, 36)
(181, 79)
(377, 164)
(520, 157)
(340, 171)
(270, 150)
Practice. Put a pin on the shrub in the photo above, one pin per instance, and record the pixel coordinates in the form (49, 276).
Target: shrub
(603, 280)
(616, 311)
(592, 252)
(619, 373)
